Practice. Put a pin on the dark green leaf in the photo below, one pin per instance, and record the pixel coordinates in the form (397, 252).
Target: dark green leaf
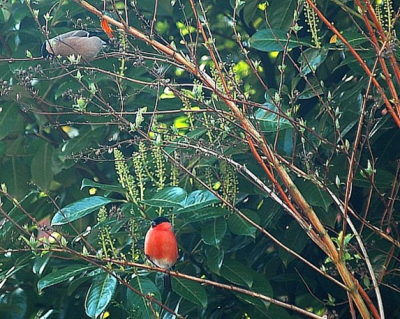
(197, 200)
(100, 294)
(41, 263)
(295, 238)
(167, 197)
(313, 88)
(146, 287)
(236, 273)
(269, 40)
(269, 119)
(15, 175)
(61, 275)
(207, 213)
(249, 10)
(215, 258)
(190, 290)
(280, 14)
(261, 286)
(110, 188)
(239, 226)
(41, 167)
(15, 306)
(213, 231)
(311, 59)
(76, 283)
(8, 116)
(79, 209)
(313, 194)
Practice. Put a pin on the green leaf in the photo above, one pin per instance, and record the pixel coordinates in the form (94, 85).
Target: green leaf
(190, 290)
(146, 287)
(40, 263)
(261, 286)
(62, 275)
(236, 273)
(213, 231)
(239, 226)
(249, 10)
(355, 39)
(109, 188)
(15, 305)
(41, 167)
(271, 121)
(15, 174)
(313, 88)
(75, 283)
(295, 238)
(207, 213)
(197, 200)
(311, 59)
(269, 40)
(313, 194)
(167, 197)
(215, 257)
(87, 136)
(8, 116)
(100, 294)
(79, 209)
(280, 14)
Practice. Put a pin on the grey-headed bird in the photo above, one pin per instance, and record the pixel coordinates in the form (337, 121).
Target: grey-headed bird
(78, 42)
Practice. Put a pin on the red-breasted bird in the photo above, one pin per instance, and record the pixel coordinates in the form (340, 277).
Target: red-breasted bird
(160, 245)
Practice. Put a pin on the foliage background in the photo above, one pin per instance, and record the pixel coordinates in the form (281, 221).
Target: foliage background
(218, 136)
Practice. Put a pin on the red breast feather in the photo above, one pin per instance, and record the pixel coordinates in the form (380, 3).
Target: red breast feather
(160, 245)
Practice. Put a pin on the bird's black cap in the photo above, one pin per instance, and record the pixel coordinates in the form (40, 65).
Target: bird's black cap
(158, 221)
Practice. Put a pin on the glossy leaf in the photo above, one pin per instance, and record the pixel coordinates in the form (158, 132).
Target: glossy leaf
(269, 119)
(15, 306)
(269, 40)
(62, 275)
(215, 258)
(314, 195)
(79, 209)
(207, 213)
(110, 188)
(100, 294)
(295, 238)
(280, 14)
(146, 287)
(311, 59)
(236, 273)
(239, 226)
(213, 231)
(261, 286)
(167, 197)
(190, 290)
(197, 200)
(41, 263)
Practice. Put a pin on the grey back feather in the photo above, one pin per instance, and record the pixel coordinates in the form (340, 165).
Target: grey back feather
(77, 42)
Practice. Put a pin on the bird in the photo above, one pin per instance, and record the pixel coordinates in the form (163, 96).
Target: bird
(160, 245)
(79, 42)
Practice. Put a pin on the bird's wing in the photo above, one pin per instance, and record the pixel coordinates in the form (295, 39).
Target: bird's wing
(75, 33)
